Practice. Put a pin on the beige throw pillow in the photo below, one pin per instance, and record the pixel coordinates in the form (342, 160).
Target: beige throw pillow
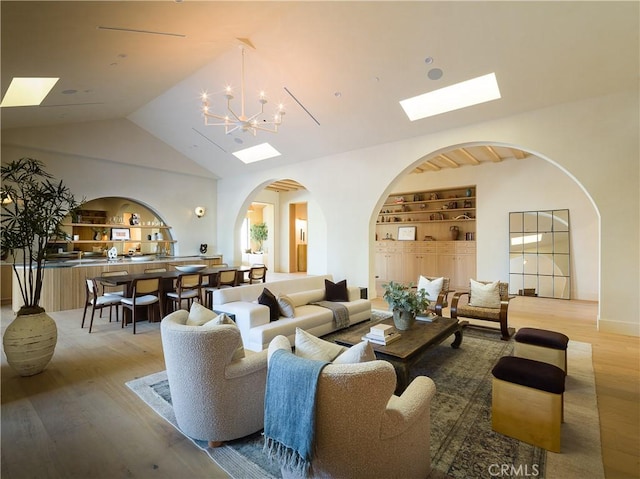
(198, 315)
(432, 287)
(310, 347)
(285, 303)
(358, 353)
(485, 295)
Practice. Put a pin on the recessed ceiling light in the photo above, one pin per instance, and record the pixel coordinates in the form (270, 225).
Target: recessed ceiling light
(27, 91)
(260, 152)
(434, 74)
(428, 60)
(454, 97)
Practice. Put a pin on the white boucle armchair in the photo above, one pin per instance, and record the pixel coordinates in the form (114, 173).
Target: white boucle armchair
(362, 429)
(214, 398)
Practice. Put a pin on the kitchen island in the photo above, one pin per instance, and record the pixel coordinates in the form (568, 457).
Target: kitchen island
(63, 285)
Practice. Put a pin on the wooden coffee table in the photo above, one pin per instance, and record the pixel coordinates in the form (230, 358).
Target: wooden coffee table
(404, 352)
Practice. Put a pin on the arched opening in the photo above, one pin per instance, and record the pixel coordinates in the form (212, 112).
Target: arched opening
(524, 180)
(295, 224)
(128, 225)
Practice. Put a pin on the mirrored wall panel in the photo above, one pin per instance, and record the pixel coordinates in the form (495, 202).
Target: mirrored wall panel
(539, 254)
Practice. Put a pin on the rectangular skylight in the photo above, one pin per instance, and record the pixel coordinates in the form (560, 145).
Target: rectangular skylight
(260, 152)
(27, 91)
(453, 97)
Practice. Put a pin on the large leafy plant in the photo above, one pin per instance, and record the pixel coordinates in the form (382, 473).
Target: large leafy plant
(401, 297)
(34, 205)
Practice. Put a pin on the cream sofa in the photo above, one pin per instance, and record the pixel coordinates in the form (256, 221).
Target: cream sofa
(363, 430)
(253, 318)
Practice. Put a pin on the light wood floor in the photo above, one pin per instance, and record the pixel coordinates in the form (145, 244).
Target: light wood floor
(77, 419)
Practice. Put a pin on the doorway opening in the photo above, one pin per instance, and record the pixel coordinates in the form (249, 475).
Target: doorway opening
(298, 230)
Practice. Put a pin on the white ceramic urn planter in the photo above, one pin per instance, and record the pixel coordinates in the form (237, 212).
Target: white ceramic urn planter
(29, 342)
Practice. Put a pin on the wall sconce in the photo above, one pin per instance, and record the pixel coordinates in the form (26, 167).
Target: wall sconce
(199, 211)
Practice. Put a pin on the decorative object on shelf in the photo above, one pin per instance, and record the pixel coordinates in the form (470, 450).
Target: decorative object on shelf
(33, 208)
(112, 253)
(429, 238)
(399, 199)
(462, 217)
(406, 233)
(233, 121)
(405, 302)
(468, 192)
(120, 234)
(417, 197)
(433, 196)
(468, 204)
(436, 217)
(452, 205)
(455, 232)
(199, 211)
(135, 219)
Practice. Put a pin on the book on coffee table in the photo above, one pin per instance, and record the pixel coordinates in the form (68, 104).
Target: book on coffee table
(382, 341)
(381, 331)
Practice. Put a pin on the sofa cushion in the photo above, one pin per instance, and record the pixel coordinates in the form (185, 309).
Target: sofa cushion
(224, 319)
(432, 287)
(287, 308)
(336, 291)
(199, 315)
(358, 353)
(310, 347)
(484, 295)
(267, 298)
(306, 297)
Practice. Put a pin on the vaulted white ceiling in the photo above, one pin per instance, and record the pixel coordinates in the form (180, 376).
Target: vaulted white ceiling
(348, 64)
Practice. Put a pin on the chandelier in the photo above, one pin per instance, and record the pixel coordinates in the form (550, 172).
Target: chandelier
(233, 121)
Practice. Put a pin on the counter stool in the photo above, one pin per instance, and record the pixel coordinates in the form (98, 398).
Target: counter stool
(527, 401)
(542, 345)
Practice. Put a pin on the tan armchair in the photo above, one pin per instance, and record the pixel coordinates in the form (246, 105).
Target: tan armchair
(498, 314)
(364, 431)
(215, 398)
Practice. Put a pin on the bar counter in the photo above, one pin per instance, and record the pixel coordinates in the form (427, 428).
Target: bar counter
(63, 286)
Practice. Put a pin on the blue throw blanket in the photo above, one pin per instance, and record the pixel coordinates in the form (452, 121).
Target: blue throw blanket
(290, 409)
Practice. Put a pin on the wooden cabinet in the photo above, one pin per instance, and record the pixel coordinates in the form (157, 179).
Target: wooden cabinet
(457, 261)
(444, 245)
(419, 258)
(388, 259)
(405, 261)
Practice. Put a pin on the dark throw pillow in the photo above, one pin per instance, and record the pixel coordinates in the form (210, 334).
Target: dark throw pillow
(336, 291)
(268, 299)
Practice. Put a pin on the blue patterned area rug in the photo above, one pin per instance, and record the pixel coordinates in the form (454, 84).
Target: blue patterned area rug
(463, 445)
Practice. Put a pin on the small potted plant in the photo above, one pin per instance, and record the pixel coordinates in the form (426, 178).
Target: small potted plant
(33, 208)
(406, 302)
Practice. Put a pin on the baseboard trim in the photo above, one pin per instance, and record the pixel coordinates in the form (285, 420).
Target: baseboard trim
(618, 327)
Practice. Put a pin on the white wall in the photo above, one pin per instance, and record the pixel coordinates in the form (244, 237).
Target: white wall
(174, 196)
(594, 141)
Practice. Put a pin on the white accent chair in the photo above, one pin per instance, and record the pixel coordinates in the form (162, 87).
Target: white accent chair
(362, 429)
(214, 398)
